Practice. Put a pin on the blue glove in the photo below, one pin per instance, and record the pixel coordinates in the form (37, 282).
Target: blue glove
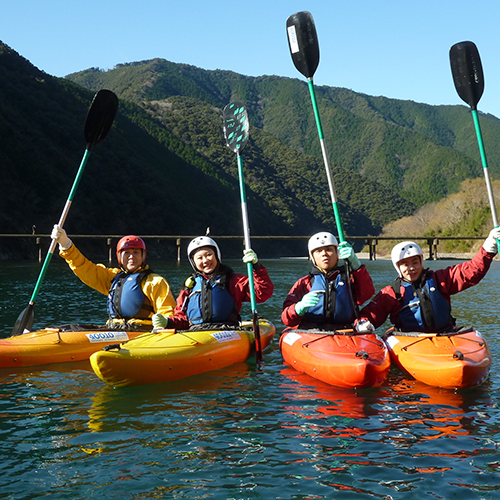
(347, 253)
(308, 300)
(250, 256)
(159, 321)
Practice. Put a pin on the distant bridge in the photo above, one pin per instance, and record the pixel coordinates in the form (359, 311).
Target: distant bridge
(371, 241)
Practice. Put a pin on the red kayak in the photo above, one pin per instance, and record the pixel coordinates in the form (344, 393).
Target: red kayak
(342, 358)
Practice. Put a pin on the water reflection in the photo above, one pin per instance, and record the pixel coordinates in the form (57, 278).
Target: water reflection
(186, 395)
(404, 414)
(242, 432)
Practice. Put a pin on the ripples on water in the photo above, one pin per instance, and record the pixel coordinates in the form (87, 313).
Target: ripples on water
(241, 432)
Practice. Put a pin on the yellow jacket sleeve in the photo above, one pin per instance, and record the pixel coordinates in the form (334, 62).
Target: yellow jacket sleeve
(96, 276)
(158, 291)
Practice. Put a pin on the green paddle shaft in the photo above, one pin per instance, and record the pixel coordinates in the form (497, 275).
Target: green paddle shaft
(329, 175)
(246, 230)
(485, 167)
(246, 233)
(62, 219)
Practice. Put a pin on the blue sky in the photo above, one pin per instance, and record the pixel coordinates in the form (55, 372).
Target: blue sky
(397, 49)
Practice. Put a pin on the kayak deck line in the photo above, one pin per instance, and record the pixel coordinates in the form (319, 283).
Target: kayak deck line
(166, 333)
(450, 338)
(321, 336)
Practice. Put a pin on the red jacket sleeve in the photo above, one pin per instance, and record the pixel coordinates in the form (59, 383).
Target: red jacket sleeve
(180, 320)
(240, 290)
(456, 278)
(363, 285)
(383, 304)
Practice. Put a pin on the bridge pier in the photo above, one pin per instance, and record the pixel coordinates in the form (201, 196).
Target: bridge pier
(372, 245)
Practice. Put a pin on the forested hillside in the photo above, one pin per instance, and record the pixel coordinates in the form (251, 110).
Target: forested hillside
(149, 179)
(465, 213)
(164, 168)
(419, 151)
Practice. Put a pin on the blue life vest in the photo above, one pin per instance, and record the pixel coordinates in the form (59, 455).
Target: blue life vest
(210, 302)
(337, 307)
(126, 299)
(423, 308)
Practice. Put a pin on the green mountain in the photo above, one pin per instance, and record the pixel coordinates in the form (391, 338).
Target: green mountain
(147, 178)
(418, 151)
(164, 168)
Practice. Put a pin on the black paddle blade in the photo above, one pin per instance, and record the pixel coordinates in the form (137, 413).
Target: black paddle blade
(24, 322)
(236, 126)
(303, 42)
(467, 72)
(100, 117)
(256, 331)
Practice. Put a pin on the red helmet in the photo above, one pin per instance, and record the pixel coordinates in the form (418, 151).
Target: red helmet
(130, 241)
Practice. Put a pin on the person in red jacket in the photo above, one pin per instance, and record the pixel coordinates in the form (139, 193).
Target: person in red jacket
(419, 299)
(214, 293)
(324, 298)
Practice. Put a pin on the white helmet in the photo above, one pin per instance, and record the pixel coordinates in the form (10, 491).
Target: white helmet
(319, 240)
(199, 242)
(402, 251)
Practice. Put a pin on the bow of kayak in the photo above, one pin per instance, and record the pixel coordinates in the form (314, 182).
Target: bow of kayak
(55, 345)
(166, 356)
(342, 358)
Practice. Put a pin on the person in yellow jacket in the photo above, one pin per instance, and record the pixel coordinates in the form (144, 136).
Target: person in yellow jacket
(134, 291)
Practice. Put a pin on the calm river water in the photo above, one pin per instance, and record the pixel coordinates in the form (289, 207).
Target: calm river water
(241, 432)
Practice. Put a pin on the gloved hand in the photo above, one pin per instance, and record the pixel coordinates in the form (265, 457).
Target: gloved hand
(490, 243)
(250, 256)
(159, 321)
(347, 253)
(59, 236)
(308, 300)
(364, 326)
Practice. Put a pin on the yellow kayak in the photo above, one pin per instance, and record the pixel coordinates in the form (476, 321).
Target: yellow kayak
(169, 355)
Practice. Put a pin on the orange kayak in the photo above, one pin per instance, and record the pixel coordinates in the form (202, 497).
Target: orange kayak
(340, 358)
(52, 345)
(452, 360)
(166, 356)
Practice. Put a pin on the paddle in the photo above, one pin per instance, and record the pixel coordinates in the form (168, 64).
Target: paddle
(236, 130)
(304, 49)
(100, 117)
(468, 77)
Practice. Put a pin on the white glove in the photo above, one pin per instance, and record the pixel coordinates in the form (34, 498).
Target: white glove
(364, 326)
(59, 236)
(250, 256)
(490, 243)
(159, 321)
(308, 300)
(347, 253)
